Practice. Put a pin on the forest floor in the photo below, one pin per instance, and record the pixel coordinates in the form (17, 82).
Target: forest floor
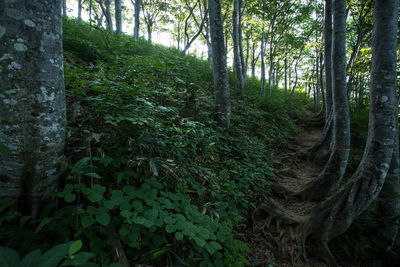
(293, 170)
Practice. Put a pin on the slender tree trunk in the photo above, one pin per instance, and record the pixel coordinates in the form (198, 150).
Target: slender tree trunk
(137, 20)
(327, 181)
(241, 52)
(199, 31)
(118, 17)
(90, 14)
(262, 55)
(236, 47)
(322, 146)
(286, 78)
(79, 11)
(149, 32)
(246, 64)
(220, 71)
(33, 116)
(253, 61)
(64, 8)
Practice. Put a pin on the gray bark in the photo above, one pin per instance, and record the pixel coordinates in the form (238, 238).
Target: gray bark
(118, 17)
(262, 55)
(220, 71)
(327, 181)
(105, 8)
(286, 81)
(241, 52)
(335, 215)
(328, 53)
(137, 20)
(80, 2)
(236, 47)
(64, 8)
(32, 100)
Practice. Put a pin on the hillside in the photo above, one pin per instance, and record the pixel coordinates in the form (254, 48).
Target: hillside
(150, 176)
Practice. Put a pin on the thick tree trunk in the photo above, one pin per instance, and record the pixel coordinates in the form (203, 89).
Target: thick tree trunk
(32, 99)
(333, 172)
(118, 17)
(236, 47)
(366, 184)
(334, 216)
(220, 71)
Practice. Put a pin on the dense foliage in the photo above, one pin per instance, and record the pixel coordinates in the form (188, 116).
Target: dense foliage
(148, 167)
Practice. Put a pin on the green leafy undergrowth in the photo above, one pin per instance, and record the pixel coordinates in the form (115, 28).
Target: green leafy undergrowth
(148, 166)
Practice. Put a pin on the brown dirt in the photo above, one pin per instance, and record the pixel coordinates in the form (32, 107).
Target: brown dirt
(293, 170)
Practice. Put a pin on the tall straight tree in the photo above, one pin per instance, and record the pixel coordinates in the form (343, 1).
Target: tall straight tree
(220, 71)
(118, 17)
(236, 46)
(33, 116)
(136, 4)
(105, 6)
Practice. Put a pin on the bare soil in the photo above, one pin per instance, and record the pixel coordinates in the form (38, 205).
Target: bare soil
(292, 170)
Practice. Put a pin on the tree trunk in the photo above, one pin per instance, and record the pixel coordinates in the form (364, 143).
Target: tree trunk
(253, 61)
(335, 215)
(137, 20)
(32, 97)
(236, 47)
(200, 30)
(241, 52)
(333, 172)
(149, 32)
(328, 53)
(118, 17)
(220, 71)
(286, 81)
(64, 8)
(79, 11)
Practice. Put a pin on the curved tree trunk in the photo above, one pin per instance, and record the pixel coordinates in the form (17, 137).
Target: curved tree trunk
(335, 215)
(32, 99)
(333, 172)
(118, 17)
(220, 71)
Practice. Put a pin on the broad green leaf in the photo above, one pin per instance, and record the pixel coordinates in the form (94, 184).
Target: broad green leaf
(103, 218)
(178, 236)
(75, 247)
(9, 257)
(54, 255)
(31, 259)
(199, 241)
(170, 228)
(69, 197)
(88, 221)
(42, 224)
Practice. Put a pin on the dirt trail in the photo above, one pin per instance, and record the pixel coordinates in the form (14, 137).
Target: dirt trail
(293, 170)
